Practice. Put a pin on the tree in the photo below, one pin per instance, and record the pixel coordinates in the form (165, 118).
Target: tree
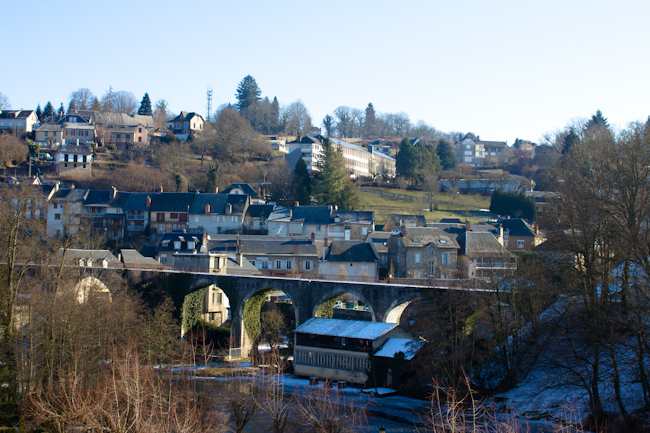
(39, 113)
(82, 99)
(4, 102)
(596, 123)
(96, 106)
(371, 120)
(145, 106)
(124, 102)
(61, 111)
(416, 162)
(301, 183)
(48, 111)
(344, 125)
(298, 118)
(516, 205)
(446, 154)
(108, 100)
(161, 115)
(71, 107)
(248, 92)
(332, 185)
(328, 124)
(569, 141)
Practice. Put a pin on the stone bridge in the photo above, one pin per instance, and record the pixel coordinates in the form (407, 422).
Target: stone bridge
(386, 302)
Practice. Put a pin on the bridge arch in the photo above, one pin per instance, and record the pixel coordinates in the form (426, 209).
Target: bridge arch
(339, 291)
(396, 308)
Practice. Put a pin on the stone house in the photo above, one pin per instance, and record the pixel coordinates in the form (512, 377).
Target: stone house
(169, 212)
(518, 234)
(218, 213)
(349, 261)
(74, 159)
(18, 120)
(185, 123)
(481, 256)
(423, 252)
(396, 221)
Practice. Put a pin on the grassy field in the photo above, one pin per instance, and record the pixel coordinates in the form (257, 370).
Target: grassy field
(449, 206)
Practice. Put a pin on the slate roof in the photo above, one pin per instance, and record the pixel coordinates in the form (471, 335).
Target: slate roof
(76, 254)
(351, 251)
(167, 242)
(263, 245)
(307, 139)
(481, 244)
(184, 116)
(117, 119)
(217, 204)
(380, 241)
(345, 328)
(393, 221)
(261, 211)
(15, 114)
(134, 260)
(171, 201)
(79, 150)
(98, 198)
(71, 194)
(132, 201)
(427, 237)
(293, 158)
(517, 227)
(312, 214)
(249, 190)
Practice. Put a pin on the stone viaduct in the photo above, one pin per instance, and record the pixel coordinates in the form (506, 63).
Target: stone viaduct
(386, 302)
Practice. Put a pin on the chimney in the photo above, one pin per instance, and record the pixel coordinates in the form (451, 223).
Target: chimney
(228, 208)
(468, 226)
(148, 202)
(313, 236)
(296, 204)
(240, 259)
(207, 208)
(216, 190)
(160, 188)
(113, 192)
(402, 230)
(536, 227)
(325, 242)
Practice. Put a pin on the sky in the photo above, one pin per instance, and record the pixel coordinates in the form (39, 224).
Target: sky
(500, 69)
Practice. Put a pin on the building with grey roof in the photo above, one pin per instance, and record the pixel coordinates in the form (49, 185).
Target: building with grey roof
(423, 252)
(395, 221)
(481, 256)
(349, 261)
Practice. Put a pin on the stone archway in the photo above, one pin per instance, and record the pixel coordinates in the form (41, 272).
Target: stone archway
(394, 311)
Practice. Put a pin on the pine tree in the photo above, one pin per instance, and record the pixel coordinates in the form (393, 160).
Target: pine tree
(48, 111)
(569, 142)
(301, 183)
(248, 92)
(332, 185)
(145, 106)
(405, 159)
(39, 113)
(446, 154)
(96, 105)
(371, 120)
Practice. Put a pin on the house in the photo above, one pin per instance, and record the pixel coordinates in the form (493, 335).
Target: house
(185, 123)
(481, 256)
(272, 256)
(64, 211)
(340, 350)
(18, 120)
(188, 252)
(519, 235)
(353, 224)
(136, 207)
(471, 150)
(100, 215)
(132, 259)
(543, 199)
(423, 252)
(218, 213)
(123, 130)
(256, 218)
(380, 241)
(169, 212)
(77, 133)
(320, 222)
(349, 261)
(245, 189)
(128, 136)
(216, 306)
(396, 221)
(310, 148)
(278, 144)
(74, 159)
(48, 136)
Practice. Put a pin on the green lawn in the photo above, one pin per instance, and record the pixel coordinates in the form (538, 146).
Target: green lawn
(384, 205)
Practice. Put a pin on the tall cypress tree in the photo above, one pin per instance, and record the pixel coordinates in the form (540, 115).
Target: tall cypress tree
(332, 185)
(145, 106)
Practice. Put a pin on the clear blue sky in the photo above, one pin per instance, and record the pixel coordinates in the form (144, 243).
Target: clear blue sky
(500, 69)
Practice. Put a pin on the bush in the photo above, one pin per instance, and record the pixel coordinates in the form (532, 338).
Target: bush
(209, 334)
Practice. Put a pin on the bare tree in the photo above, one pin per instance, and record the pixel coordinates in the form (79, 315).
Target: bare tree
(297, 117)
(82, 99)
(13, 151)
(4, 102)
(125, 102)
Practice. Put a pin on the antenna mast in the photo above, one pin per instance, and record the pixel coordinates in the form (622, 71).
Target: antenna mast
(209, 107)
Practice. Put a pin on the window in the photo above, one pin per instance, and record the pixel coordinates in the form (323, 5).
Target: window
(432, 269)
(265, 264)
(364, 265)
(364, 230)
(520, 243)
(417, 257)
(289, 264)
(55, 205)
(57, 216)
(163, 258)
(186, 124)
(445, 259)
(139, 129)
(275, 226)
(173, 216)
(307, 265)
(318, 227)
(233, 219)
(430, 252)
(196, 219)
(278, 264)
(468, 153)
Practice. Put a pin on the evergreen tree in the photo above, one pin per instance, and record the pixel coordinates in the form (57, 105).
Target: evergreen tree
(417, 161)
(248, 92)
(275, 105)
(39, 113)
(328, 123)
(145, 106)
(61, 111)
(516, 205)
(71, 106)
(446, 154)
(371, 121)
(569, 142)
(405, 159)
(48, 111)
(301, 183)
(332, 185)
(597, 124)
(96, 105)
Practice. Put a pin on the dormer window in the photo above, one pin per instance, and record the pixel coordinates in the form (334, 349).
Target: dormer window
(177, 245)
(417, 241)
(190, 245)
(442, 241)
